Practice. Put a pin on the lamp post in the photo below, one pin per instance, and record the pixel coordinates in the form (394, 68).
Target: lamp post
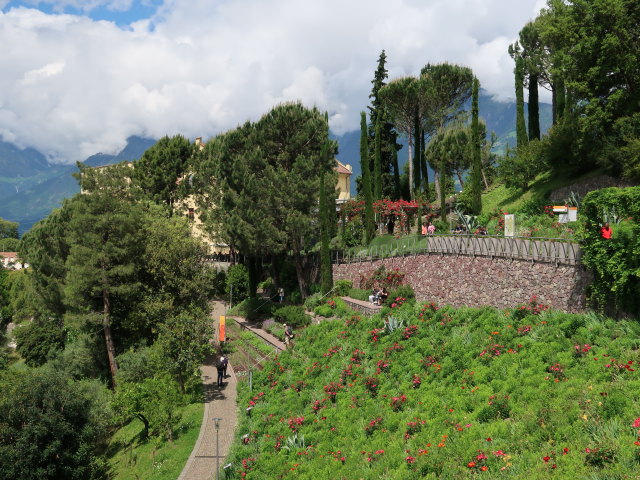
(217, 421)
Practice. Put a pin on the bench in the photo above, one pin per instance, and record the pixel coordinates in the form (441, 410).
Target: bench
(364, 307)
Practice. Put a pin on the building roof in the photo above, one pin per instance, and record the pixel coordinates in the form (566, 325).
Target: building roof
(341, 168)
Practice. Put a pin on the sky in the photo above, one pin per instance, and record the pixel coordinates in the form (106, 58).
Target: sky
(81, 76)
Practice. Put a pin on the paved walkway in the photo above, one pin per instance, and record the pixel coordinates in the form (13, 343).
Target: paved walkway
(219, 402)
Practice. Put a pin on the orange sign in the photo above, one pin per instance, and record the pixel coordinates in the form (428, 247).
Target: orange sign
(222, 328)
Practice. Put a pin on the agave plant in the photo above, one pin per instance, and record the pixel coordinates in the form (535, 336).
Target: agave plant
(470, 221)
(574, 199)
(392, 324)
(295, 442)
(610, 216)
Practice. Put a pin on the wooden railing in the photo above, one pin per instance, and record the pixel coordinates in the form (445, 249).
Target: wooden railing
(549, 250)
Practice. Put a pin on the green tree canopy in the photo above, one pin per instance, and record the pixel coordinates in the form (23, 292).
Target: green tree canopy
(159, 171)
(48, 429)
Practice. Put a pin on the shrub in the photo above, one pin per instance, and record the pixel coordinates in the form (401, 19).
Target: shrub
(293, 315)
(37, 340)
(359, 294)
(314, 301)
(324, 311)
(237, 283)
(342, 287)
(403, 291)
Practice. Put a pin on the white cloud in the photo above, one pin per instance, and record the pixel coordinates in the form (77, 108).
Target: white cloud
(72, 87)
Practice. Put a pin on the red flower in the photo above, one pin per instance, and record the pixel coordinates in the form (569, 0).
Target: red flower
(546, 459)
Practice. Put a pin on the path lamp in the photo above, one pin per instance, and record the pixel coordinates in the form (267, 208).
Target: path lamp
(217, 421)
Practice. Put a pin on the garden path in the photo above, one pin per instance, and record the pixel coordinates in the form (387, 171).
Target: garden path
(219, 402)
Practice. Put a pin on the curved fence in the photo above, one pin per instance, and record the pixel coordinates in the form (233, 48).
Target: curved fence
(548, 250)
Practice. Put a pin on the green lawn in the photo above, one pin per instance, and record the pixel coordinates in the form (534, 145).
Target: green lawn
(510, 200)
(133, 458)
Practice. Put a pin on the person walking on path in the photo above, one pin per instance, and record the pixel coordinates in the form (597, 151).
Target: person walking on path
(281, 294)
(225, 364)
(220, 368)
(288, 334)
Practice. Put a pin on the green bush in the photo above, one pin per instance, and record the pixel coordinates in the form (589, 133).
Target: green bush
(342, 287)
(314, 301)
(38, 340)
(253, 308)
(403, 291)
(615, 262)
(293, 315)
(359, 294)
(324, 311)
(237, 283)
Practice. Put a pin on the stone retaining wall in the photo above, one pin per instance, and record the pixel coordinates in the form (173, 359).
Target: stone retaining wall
(476, 281)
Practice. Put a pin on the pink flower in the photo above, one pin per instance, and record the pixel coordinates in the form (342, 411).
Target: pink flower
(636, 424)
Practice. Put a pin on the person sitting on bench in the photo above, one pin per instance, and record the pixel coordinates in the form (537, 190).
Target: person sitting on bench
(373, 298)
(382, 296)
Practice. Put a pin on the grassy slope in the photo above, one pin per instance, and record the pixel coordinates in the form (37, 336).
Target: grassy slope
(510, 200)
(532, 409)
(131, 458)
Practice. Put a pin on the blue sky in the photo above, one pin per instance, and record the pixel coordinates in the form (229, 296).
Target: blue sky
(121, 13)
(81, 76)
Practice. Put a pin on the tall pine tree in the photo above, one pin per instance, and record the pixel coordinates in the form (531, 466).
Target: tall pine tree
(390, 175)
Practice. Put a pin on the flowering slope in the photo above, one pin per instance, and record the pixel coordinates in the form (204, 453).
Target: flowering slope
(470, 393)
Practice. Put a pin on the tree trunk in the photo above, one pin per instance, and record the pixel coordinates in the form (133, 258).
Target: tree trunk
(410, 166)
(106, 324)
(301, 273)
(484, 179)
(145, 422)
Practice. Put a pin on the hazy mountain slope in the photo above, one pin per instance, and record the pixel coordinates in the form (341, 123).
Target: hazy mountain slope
(42, 187)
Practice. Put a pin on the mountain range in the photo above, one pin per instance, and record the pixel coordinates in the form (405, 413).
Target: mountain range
(31, 187)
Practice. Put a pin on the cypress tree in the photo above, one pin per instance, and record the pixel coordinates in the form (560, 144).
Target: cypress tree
(377, 164)
(476, 166)
(416, 153)
(521, 129)
(326, 274)
(534, 107)
(369, 221)
(388, 136)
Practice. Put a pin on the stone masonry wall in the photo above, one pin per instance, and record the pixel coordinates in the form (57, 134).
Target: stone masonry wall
(476, 281)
